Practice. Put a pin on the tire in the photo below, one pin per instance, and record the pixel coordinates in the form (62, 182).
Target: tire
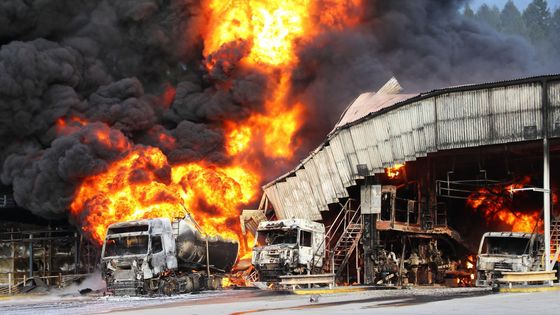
(168, 286)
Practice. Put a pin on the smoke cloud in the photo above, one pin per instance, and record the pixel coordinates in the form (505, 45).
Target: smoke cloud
(425, 44)
(109, 63)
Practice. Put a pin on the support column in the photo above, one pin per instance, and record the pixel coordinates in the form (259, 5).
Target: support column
(546, 176)
(30, 255)
(369, 240)
(546, 204)
(370, 207)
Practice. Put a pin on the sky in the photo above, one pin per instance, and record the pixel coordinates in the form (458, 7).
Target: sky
(521, 4)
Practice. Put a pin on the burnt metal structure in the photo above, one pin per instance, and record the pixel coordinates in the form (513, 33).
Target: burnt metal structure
(476, 135)
(36, 252)
(53, 256)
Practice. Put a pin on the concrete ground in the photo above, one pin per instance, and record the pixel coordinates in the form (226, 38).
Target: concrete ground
(408, 301)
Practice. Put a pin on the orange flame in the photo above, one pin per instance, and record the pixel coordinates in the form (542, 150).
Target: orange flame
(143, 184)
(272, 30)
(395, 171)
(69, 125)
(495, 203)
(168, 96)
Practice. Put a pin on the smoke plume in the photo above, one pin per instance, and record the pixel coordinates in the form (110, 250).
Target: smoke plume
(110, 64)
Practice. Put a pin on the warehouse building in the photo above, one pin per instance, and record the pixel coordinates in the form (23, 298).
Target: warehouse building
(409, 168)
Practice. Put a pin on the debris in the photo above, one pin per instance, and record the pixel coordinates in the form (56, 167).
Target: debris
(314, 298)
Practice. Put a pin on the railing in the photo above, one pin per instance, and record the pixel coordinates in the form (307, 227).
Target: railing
(351, 221)
(333, 229)
(356, 237)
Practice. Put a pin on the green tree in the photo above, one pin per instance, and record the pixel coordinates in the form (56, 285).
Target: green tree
(554, 33)
(491, 16)
(511, 20)
(468, 11)
(537, 19)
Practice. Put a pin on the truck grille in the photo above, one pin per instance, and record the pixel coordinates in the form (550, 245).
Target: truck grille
(503, 266)
(125, 287)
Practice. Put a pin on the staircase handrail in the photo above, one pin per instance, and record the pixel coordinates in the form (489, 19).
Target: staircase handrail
(351, 250)
(337, 221)
(351, 221)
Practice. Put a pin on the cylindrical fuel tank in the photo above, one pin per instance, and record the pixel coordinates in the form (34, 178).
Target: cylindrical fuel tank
(191, 248)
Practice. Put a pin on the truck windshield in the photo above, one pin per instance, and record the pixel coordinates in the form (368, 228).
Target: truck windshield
(504, 245)
(273, 237)
(126, 245)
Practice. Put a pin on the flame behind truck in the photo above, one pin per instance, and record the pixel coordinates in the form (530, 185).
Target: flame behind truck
(158, 256)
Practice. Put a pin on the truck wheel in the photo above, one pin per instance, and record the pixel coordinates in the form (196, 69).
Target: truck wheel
(168, 286)
(189, 286)
(214, 283)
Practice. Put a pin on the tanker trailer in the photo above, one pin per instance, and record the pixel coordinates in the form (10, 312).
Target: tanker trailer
(158, 256)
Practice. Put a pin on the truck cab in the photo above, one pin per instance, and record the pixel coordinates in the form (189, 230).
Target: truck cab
(506, 251)
(290, 246)
(135, 252)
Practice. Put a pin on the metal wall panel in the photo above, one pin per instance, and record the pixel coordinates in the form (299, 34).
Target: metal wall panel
(284, 210)
(342, 163)
(554, 109)
(381, 131)
(327, 184)
(417, 130)
(429, 120)
(408, 115)
(395, 136)
(463, 119)
(307, 191)
(514, 109)
(294, 194)
(374, 152)
(360, 138)
(334, 172)
(315, 182)
(272, 194)
(350, 153)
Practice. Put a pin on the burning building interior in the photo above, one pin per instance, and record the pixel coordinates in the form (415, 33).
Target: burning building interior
(137, 110)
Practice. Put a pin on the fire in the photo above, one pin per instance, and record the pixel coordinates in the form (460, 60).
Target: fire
(168, 96)
(271, 30)
(495, 204)
(395, 171)
(142, 183)
(69, 125)
(272, 27)
(470, 261)
(238, 138)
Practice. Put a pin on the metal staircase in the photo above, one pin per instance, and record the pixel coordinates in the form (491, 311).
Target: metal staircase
(347, 243)
(342, 238)
(539, 263)
(554, 239)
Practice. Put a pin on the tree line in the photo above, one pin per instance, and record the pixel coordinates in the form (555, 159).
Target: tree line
(537, 23)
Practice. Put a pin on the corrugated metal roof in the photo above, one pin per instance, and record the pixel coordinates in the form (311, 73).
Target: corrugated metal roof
(379, 130)
(368, 103)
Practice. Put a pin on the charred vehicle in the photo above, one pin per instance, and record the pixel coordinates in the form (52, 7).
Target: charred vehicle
(291, 246)
(157, 256)
(507, 251)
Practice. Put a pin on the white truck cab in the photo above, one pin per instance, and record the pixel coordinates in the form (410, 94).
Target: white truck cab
(506, 251)
(290, 246)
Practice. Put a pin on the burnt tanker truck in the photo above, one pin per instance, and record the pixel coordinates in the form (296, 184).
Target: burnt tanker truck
(160, 256)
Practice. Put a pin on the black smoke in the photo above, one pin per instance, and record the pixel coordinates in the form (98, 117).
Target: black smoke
(109, 62)
(425, 44)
